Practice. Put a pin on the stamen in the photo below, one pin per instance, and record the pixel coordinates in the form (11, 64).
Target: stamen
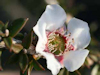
(58, 43)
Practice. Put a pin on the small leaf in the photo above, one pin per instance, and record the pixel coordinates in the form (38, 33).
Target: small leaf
(8, 42)
(24, 73)
(2, 34)
(1, 25)
(95, 70)
(2, 45)
(17, 25)
(23, 62)
(94, 58)
(6, 25)
(13, 59)
(27, 40)
(78, 72)
(17, 48)
(36, 65)
(19, 36)
(63, 72)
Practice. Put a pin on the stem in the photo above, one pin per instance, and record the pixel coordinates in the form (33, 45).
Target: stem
(27, 72)
(78, 72)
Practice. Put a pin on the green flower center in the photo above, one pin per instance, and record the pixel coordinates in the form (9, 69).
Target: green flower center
(56, 43)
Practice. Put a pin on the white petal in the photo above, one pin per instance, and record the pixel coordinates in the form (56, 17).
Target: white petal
(52, 63)
(40, 47)
(55, 17)
(73, 60)
(80, 32)
(40, 30)
(41, 33)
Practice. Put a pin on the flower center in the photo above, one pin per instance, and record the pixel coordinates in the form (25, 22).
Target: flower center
(56, 43)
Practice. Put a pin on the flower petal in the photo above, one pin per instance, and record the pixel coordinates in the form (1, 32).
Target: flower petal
(79, 32)
(55, 17)
(73, 60)
(52, 63)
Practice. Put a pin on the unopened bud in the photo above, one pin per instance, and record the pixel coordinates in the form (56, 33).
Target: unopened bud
(6, 32)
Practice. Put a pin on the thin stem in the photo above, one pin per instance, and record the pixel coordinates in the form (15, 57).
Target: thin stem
(25, 73)
(78, 72)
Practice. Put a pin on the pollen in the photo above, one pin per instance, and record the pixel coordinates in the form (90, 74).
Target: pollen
(56, 43)
(59, 43)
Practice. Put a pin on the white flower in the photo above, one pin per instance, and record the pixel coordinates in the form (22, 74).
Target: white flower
(61, 49)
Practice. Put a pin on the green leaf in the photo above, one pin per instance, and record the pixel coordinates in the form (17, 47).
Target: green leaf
(1, 28)
(17, 25)
(95, 70)
(16, 48)
(23, 62)
(63, 72)
(13, 59)
(8, 42)
(2, 34)
(24, 73)
(6, 25)
(19, 36)
(36, 65)
(78, 73)
(27, 40)
(94, 58)
(1, 25)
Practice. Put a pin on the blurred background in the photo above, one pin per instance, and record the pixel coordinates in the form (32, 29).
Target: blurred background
(87, 10)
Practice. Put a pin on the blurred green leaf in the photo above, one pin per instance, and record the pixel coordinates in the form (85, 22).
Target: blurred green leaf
(95, 70)
(94, 58)
(14, 58)
(1, 25)
(2, 34)
(63, 72)
(1, 28)
(78, 72)
(16, 48)
(98, 72)
(6, 25)
(17, 25)
(8, 42)
(23, 62)
(24, 73)
(19, 36)
(27, 40)
(36, 65)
